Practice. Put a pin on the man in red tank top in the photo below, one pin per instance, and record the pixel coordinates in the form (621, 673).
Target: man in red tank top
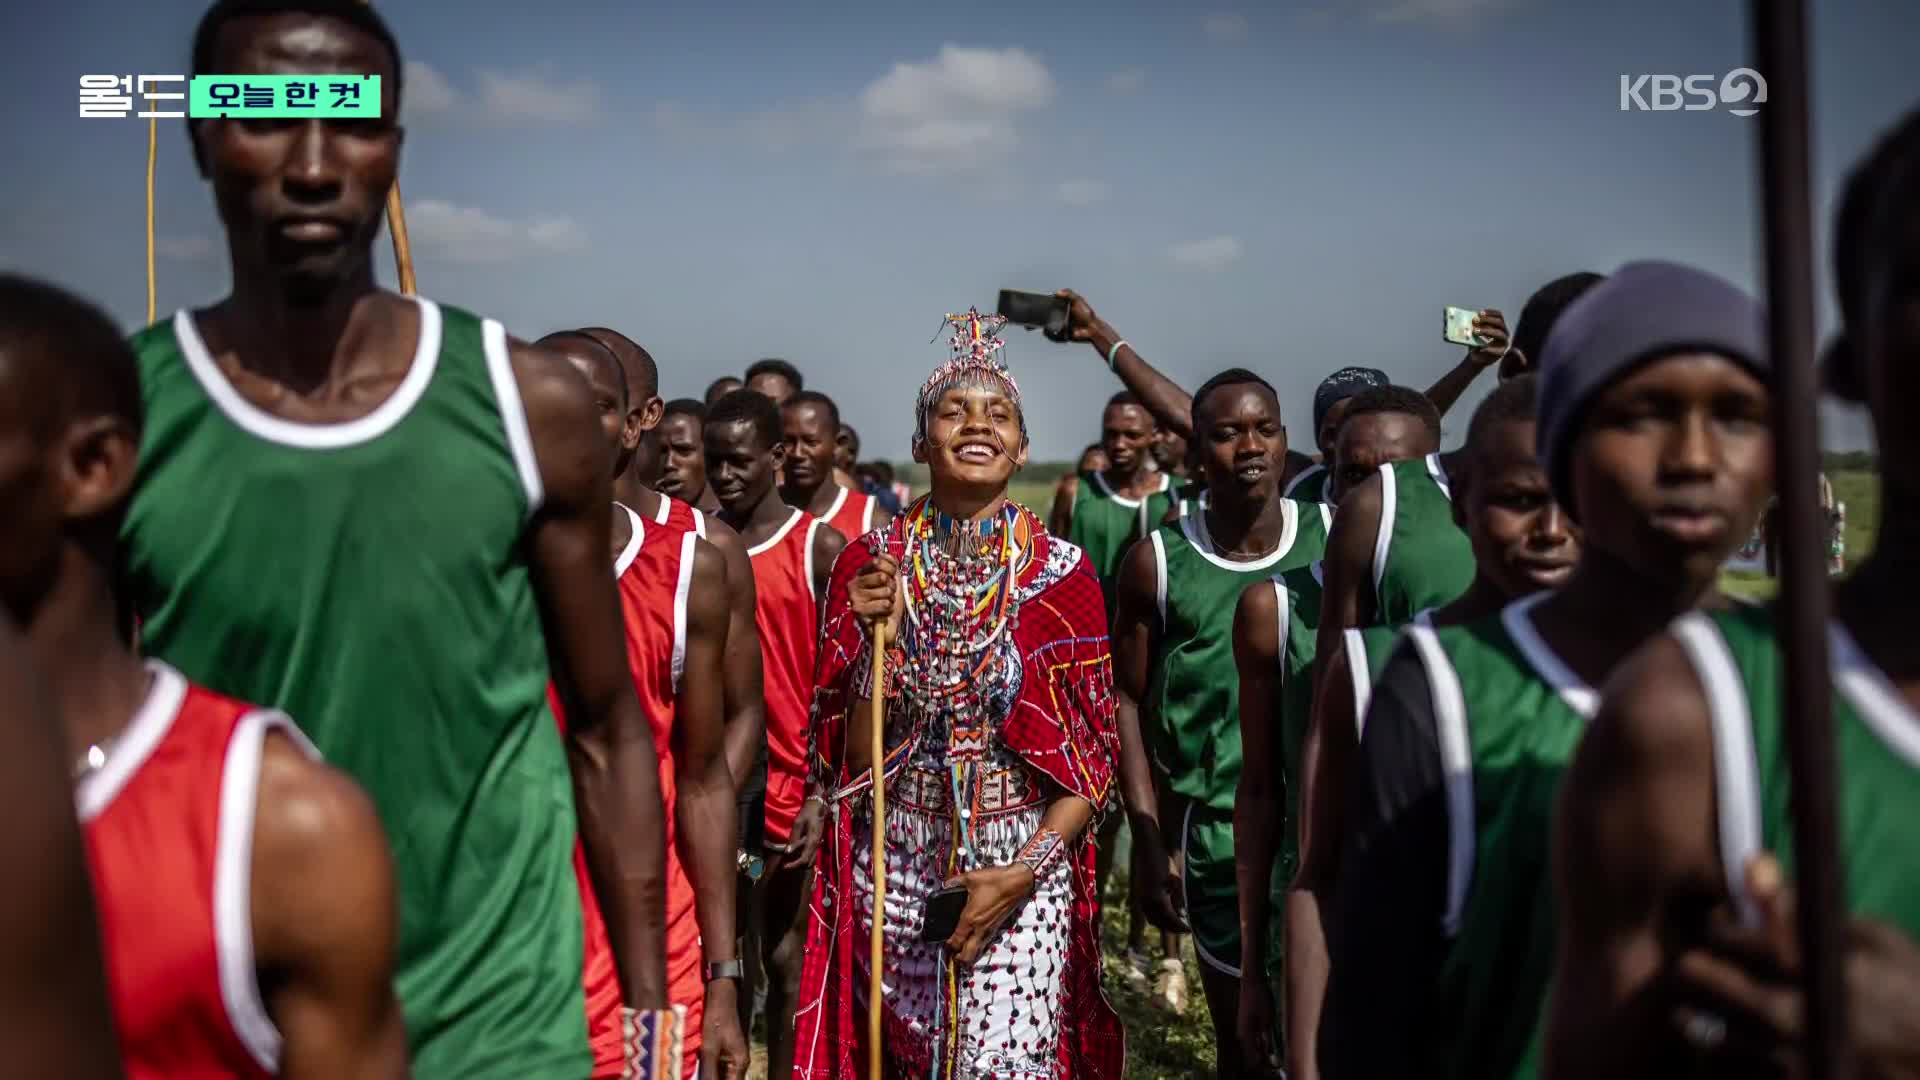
(793, 555)
(54, 1016)
(674, 605)
(245, 894)
(810, 426)
(683, 463)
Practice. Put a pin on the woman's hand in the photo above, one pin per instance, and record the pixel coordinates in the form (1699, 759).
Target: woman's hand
(992, 894)
(876, 596)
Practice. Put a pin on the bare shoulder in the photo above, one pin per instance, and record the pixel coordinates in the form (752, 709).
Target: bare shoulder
(707, 582)
(1067, 486)
(548, 383)
(1139, 573)
(1357, 519)
(1637, 803)
(827, 543)
(1256, 631)
(321, 869)
(561, 420)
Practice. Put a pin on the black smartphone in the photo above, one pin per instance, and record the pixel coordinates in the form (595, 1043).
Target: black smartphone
(1044, 310)
(941, 916)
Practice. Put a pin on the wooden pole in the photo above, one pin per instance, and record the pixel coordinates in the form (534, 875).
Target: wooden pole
(402, 250)
(153, 153)
(878, 944)
(1779, 29)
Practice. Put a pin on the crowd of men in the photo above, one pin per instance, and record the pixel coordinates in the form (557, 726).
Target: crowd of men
(1448, 763)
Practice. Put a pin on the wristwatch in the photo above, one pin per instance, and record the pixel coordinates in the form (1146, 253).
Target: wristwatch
(725, 969)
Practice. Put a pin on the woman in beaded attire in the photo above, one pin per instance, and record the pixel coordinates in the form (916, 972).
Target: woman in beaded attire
(999, 744)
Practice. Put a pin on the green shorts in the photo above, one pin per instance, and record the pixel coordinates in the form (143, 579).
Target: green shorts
(1212, 889)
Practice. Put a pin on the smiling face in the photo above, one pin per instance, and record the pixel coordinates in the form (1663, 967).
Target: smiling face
(1522, 541)
(1672, 466)
(301, 198)
(974, 442)
(741, 465)
(810, 432)
(683, 461)
(1242, 442)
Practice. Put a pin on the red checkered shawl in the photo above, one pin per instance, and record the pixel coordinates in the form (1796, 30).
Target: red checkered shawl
(1061, 725)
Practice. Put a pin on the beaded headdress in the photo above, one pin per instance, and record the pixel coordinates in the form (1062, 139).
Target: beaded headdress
(975, 361)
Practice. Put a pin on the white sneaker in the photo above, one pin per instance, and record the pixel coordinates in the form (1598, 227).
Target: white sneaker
(1170, 989)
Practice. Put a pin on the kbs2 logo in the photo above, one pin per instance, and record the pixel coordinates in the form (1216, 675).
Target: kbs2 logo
(1740, 91)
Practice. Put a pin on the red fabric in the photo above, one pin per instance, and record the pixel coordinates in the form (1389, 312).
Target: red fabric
(853, 517)
(1062, 725)
(653, 613)
(153, 850)
(785, 615)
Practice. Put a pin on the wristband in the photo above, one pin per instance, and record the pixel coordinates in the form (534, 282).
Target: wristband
(1041, 851)
(650, 1042)
(725, 969)
(1114, 352)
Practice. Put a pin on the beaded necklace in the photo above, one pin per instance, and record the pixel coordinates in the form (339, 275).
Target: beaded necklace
(960, 600)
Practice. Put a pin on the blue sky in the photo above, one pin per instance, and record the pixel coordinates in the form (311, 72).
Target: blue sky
(1291, 187)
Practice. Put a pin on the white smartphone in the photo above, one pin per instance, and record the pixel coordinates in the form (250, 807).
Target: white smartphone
(1458, 328)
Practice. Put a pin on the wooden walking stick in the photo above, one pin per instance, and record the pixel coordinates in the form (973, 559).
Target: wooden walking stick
(1779, 29)
(397, 228)
(153, 151)
(878, 746)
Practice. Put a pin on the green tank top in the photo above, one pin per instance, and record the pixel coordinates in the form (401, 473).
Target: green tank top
(1421, 559)
(1192, 720)
(1877, 739)
(1105, 524)
(1367, 649)
(1297, 592)
(371, 578)
(1508, 714)
(1310, 486)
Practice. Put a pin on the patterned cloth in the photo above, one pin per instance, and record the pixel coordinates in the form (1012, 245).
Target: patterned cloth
(1032, 1005)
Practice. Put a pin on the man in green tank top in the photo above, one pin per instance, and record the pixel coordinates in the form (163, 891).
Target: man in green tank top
(1652, 430)
(1178, 718)
(1676, 920)
(1274, 643)
(384, 515)
(1098, 510)
(1522, 543)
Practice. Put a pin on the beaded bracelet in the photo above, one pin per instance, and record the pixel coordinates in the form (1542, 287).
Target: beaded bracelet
(1040, 852)
(651, 1042)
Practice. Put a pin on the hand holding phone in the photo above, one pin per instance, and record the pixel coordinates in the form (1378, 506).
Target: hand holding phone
(1048, 312)
(941, 916)
(1459, 329)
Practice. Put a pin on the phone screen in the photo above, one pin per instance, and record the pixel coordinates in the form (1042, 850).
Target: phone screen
(1459, 328)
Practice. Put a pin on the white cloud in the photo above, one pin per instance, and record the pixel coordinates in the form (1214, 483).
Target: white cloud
(530, 96)
(183, 248)
(468, 234)
(1081, 192)
(1213, 253)
(427, 91)
(956, 111)
(1127, 82)
(1226, 27)
(1434, 10)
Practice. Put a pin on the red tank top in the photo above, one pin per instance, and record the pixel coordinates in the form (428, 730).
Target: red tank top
(852, 513)
(679, 516)
(169, 831)
(653, 573)
(786, 617)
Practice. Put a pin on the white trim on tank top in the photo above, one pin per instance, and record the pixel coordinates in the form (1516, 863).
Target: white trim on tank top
(779, 534)
(1438, 470)
(1583, 699)
(1879, 704)
(1383, 534)
(866, 516)
(143, 734)
(1736, 767)
(262, 424)
(233, 883)
(632, 550)
(1456, 766)
(1194, 526)
(1159, 575)
(682, 589)
(513, 412)
(1302, 478)
(839, 501)
(1100, 481)
(1358, 671)
(813, 530)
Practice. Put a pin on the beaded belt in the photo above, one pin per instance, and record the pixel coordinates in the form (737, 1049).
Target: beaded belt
(932, 792)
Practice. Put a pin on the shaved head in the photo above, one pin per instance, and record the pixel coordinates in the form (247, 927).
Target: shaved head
(643, 375)
(578, 344)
